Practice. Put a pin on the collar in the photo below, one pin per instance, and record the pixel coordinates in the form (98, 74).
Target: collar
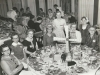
(16, 44)
(28, 39)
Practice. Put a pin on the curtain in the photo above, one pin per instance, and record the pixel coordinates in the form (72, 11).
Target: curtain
(9, 3)
(85, 8)
(24, 4)
(66, 6)
(76, 9)
(99, 14)
(73, 6)
(32, 5)
(52, 2)
(17, 3)
(42, 5)
(3, 8)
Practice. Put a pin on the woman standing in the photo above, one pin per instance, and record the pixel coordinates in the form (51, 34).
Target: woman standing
(58, 25)
(50, 16)
(84, 29)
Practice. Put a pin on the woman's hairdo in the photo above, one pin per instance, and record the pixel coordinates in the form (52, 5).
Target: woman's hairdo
(29, 31)
(22, 9)
(58, 11)
(85, 19)
(50, 9)
(91, 27)
(27, 8)
(3, 46)
(55, 5)
(39, 18)
(13, 34)
(41, 9)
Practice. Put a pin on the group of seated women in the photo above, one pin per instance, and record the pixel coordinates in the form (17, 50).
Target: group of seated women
(90, 36)
(13, 51)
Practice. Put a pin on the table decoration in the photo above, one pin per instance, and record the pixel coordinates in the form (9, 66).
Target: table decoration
(51, 61)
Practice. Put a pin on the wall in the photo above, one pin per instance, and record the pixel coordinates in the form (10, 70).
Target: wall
(86, 8)
(28, 3)
(52, 2)
(99, 14)
(9, 4)
(42, 5)
(3, 8)
(73, 6)
(32, 5)
(24, 3)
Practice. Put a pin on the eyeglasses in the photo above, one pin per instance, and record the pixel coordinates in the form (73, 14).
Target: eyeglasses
(15, 38)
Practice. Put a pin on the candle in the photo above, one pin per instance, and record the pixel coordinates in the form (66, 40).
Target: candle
(67, 36)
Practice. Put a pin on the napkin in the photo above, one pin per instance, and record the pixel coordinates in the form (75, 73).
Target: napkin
(58, 39)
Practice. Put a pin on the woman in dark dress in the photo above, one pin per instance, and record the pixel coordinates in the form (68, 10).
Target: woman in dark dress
(84, 29)
(93, 39)
(37, 24)
(31, 22)
(30, 43)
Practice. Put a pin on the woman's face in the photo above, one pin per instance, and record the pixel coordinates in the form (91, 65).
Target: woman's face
(58, 15)
(6, 51)
(92, 31)
(73, 27)
(25, 21)
(49, 11)
(50, 15)
(30, 34)
(49, 30)
(84, 21)
(15, 38)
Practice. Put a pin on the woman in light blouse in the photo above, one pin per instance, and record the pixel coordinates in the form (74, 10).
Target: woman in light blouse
(48, 37)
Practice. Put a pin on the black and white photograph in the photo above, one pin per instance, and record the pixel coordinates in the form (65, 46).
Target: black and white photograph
(49, 37)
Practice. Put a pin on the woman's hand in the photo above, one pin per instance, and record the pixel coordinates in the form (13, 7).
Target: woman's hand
(31, 46)
(25, 48)
(32, 54)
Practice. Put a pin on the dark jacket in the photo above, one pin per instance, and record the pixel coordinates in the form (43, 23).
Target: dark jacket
(93, 42)
(31, 24)
(84, 33)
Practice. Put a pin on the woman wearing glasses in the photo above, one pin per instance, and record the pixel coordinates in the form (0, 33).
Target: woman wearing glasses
(92, 39)
(10, 64)
(30, 43)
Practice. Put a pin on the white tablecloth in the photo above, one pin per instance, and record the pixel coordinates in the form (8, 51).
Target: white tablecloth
(90, 72)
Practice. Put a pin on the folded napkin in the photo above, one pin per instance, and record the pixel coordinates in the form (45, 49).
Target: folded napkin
(59, 39)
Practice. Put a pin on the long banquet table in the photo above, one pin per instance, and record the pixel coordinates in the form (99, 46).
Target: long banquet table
(48, 61)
